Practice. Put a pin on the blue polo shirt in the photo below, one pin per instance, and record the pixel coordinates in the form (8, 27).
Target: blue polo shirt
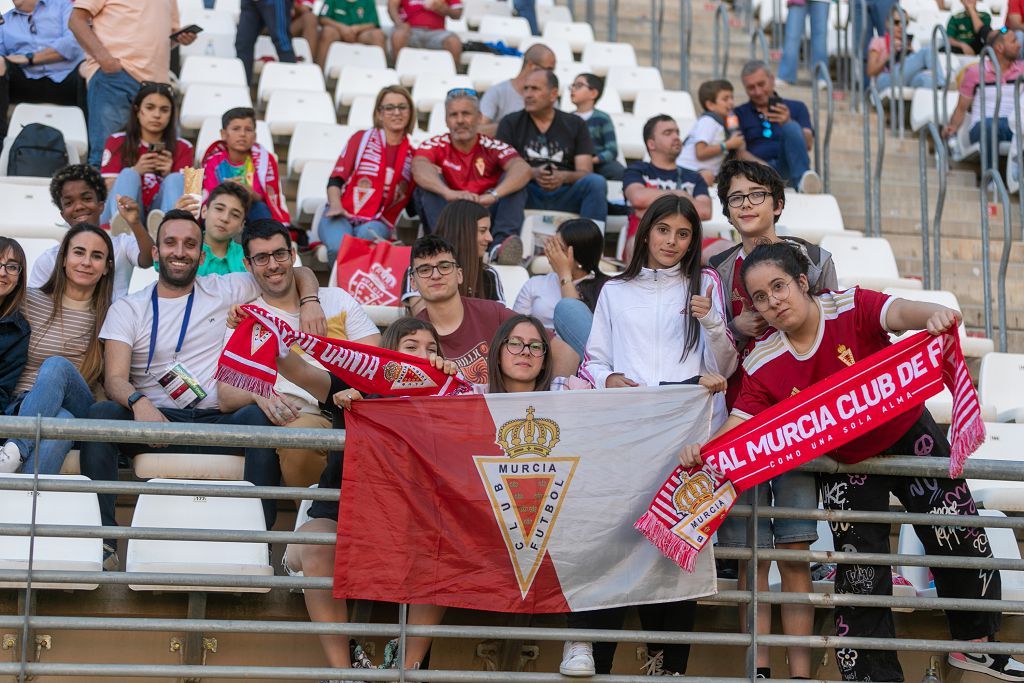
(752, 126)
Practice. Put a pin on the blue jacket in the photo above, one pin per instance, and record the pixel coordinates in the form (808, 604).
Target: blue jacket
(14, 335)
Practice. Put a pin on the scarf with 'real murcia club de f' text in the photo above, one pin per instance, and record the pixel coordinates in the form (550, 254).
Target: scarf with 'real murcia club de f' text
(249, 361)
(692, 504)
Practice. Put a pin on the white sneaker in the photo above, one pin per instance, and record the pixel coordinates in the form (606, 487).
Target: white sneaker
(10, 457)
(810, 183)
(153, 221)
(1003, 667)
(577, 659)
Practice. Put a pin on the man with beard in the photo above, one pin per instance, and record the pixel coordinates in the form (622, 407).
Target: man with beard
(463, 164)
(269, 255)
(161, 352)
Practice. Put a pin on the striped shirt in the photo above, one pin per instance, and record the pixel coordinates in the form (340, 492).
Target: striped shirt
(67, 335)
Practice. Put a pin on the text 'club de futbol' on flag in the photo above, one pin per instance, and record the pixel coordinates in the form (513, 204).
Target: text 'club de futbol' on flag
(829, 414)
(514, 502)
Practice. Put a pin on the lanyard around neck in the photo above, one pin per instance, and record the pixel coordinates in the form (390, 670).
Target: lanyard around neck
(156, 325)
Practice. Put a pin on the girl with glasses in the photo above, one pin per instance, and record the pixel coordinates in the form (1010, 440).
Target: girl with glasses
(816, 336)
(372, 181)
(144, 161)
(518, 359)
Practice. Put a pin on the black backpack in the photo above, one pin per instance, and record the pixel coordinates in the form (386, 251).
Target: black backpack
(38, 151)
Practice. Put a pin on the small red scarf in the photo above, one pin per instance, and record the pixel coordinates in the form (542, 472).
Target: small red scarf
(366, 197)
(692, 504)
(249, 362)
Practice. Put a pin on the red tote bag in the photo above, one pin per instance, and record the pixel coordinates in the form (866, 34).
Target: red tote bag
(372, 272)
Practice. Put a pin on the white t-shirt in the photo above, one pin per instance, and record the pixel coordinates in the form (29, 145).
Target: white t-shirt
(539, 296)
(130, 320)
(710, 132)
(126, 258)
(346, 319)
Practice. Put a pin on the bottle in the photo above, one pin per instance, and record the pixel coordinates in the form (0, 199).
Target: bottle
(932, 674)
(732, 125)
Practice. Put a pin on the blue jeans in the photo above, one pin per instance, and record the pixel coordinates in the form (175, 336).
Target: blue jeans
(795, 20)
(1002, 130)
(110, 104)
(506, 213)
(275, 16)
(588, 197)
(916, 71)
(332, 230)
(573, 320)
(527, 9)
(879, 12)
(793, 160)
(129, 184)
(59, 391)
(99, 458)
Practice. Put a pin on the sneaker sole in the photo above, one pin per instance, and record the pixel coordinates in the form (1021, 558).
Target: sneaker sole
(572, 673)
(968, 665)
(511, 252)
(811, 185)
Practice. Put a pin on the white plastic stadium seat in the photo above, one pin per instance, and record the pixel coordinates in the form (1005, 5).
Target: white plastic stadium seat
(1004, 442)
(211, 71)
(277, 76)
(973, 347)
(210, 44)
(288, 108)
(199, 557)
(51, 553)
(360, 112)
(676, 103)
(602, 56)
(34, 247)
(610, 102)
(473, 11)
(204, 101)
(430, 88)
(233, 7)
(922, 108)
(265, 49)
(312, 191)
(560, 46)
(214, 20)
(70, 121)
(29, 212)
(566, 72)
(486, 70)
(142, 278)
(210, 133)
(361, 80)
(629, 135)
(811, 216)
(577, 33)
(512, 280)
(999, 384)
(316, 142)
(200, 466)
(341, 55)
(548, 13)
(412, 62)
(437, 123)
(630, 80)
(865, 261)
(511, 30)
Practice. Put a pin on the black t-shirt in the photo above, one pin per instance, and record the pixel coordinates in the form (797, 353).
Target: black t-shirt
(649, 175)
(331, 476)
(566, 138)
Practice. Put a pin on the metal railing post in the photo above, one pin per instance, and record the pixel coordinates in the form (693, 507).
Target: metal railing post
(843, 45)
(777, 24)
(656, 33)
(758, 40)
(876, 180)
(720, 43)
(590, 12)
(994, 177)
(896, 113)
(822, 160)
(685, 34)
(752, 622)
(869, 214)
(989, 138)
(939, 36)
(613, 21)
(857, 65)
(403, 619)
(930, 229)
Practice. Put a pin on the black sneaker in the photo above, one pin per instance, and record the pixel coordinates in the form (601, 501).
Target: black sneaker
(1003, 667)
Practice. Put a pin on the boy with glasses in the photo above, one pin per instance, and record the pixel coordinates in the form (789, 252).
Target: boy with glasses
(585, 91)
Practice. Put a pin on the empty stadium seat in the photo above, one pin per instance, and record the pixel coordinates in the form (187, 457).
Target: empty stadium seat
(361, 80)
(560, 46)
(512, 280)
(602, 56)
(50, 553)
(922, 108)
(629, 135)
(34, 248)
(266, 53)
(294, 77)
(431, 88)
(486, 70)
(70, 121)
(360, 112)
(209, 133)
(203, 101)
(811, 217)
(312, 192)
(341, 55)
(630, 80)
(1005, 443)
(213, 20)
(675, 103)
(510, 30)
(999, 385)
(211, 71)
(142, 278)
(437, 124)
(288, 108)
(973, 347)
(199, 557)
(316, 142)
(412, 62)
(865, 261)
(577, 33)
(473, 11)
(548, 13)
(28, 211)
(210, 44)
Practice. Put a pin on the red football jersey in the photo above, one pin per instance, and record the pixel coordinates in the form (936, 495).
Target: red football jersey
(416, 14)
(477, 171)
(852, 328)
(111, 165)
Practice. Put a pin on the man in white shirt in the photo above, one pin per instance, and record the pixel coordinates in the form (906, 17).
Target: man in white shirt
(161, 350)
(269, 255)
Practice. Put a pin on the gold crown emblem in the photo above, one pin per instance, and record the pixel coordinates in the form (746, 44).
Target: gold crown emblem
(693, 492)
(522, 437)
(845, 354)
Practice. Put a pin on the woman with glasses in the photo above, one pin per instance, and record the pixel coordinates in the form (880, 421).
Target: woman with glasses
(518, 359)
(65, 355)
(14, 330)
(144, 161)
(816, 336)
(372, 181)
(914, 66)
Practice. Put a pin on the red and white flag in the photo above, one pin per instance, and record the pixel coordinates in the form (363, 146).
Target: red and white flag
(514, 502)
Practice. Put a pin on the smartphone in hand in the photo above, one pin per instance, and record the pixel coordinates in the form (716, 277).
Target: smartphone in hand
(192, 28)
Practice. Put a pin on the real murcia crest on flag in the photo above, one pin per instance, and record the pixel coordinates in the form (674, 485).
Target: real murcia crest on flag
(260, 335)
(845, 354)
(373, 288)
(404, 376)
(361, 193)
(526, 488)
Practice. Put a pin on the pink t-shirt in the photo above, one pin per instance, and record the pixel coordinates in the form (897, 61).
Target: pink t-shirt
(137, 33)
(969, 88)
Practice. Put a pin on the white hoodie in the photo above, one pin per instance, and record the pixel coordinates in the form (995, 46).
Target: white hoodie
(640, 329)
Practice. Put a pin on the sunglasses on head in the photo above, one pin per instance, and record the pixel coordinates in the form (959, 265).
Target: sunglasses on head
(461, 92)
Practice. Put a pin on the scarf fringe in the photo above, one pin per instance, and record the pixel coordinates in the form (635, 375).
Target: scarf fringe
(673, 547)
(967, 440)
(240, 380)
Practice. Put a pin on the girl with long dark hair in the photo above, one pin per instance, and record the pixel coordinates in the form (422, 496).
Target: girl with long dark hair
(14, 330)
(467, 225)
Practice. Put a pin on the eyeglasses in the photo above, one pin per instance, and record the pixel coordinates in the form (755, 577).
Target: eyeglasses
(443, 268)
(779, 290)
(515, 346)
(578, 85)
(755, 198)
(461, 92)
(12, 267)
(32, 24)
(280, 255)
(392, 108)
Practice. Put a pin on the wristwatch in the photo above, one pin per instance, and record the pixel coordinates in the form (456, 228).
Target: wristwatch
(493, 193)
(31, 57)
(134, 398)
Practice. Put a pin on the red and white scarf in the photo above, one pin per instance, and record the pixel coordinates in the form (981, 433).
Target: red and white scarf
(366, 195)
(249, 361)
(692, 504)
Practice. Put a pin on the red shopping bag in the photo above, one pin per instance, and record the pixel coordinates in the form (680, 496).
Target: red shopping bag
(372, 272)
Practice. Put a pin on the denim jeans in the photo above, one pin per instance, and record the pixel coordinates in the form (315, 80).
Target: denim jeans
(916, 71)
(879, 12)
(332, 230)
(59, 391)
(110, 104)
(588, 197)
(275, 16)
(795, 21)
(129, 184)
(793, 160)
(99, 459)
(527, 9)
(1002, 130)
(573, 320)
(506, 213)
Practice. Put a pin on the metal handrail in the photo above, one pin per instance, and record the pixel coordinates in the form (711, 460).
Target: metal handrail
(873, 181)
(939, 36)
(777, 24)
(843, 63)
(823, 142)
(931, 253)
(613, 21)
(720, 44)
(993, 177)
(989, 148)
(685, 36)
(758, 39)
(896, 103)
(857, 61)
(657, 21)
